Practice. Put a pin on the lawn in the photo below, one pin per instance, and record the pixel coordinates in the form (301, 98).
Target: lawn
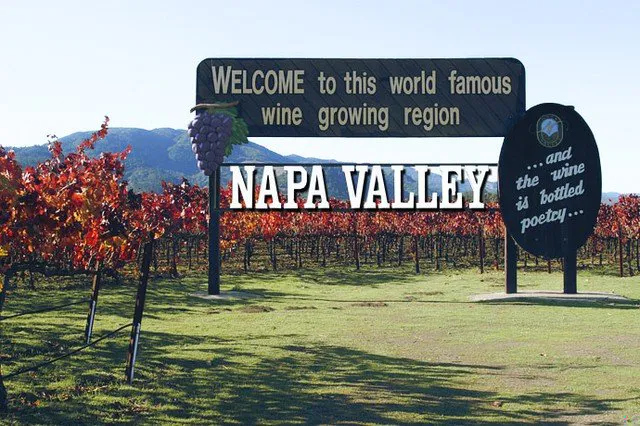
(333, 346)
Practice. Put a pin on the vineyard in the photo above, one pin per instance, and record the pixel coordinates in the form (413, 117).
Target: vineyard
(74, 212)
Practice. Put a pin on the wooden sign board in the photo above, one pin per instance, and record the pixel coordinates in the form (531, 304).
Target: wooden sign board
(368, 97)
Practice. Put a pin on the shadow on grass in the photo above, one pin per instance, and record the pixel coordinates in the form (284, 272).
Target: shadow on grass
(212, 380)
(378, 300)
(310, 384)
(568, 303)
(373, 277)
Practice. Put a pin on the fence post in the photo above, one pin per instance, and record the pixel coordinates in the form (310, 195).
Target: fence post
(93, 304)
(481, 248)
(356, 249)
(620, 260)
(137, 316)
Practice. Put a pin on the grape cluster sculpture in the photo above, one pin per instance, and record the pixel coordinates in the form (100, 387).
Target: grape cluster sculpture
(213, 132)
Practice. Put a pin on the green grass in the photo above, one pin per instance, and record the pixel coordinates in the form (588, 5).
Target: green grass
(333, 346)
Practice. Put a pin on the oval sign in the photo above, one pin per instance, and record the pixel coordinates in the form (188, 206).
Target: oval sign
(550, 183)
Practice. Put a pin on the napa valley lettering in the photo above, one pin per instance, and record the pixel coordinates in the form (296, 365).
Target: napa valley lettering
(305, 187)
(334, 88)
(559, 168)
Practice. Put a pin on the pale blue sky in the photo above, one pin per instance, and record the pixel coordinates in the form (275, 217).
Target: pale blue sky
(64, 64)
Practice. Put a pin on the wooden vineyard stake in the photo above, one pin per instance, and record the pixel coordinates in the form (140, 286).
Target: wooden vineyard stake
(139, 310)
(93, 304)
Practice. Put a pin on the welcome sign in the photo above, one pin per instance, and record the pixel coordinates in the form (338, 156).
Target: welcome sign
(549, 169)
(302, 97)
(368, 97)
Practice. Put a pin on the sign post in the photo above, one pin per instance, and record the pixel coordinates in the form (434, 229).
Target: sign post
(510, 264)
(570, 273)
(214, 233)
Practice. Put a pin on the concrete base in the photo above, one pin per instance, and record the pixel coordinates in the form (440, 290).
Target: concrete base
(226, 295)
(550, 295)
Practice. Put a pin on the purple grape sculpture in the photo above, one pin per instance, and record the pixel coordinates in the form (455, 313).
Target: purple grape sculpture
(210, 134)
(213, 132)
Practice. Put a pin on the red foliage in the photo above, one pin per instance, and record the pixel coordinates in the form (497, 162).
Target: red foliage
(75, 210)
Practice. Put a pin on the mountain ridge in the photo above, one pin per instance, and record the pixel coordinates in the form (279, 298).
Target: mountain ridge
(165, 154)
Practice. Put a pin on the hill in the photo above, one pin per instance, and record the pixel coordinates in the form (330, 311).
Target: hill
(165, 154)
(156, 155)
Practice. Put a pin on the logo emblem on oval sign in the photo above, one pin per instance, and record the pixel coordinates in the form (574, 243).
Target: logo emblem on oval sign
(549, 130)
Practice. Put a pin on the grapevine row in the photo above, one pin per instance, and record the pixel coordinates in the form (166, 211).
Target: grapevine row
(74, 211)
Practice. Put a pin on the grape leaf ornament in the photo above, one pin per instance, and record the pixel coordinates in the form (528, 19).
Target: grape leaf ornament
(213, 132)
